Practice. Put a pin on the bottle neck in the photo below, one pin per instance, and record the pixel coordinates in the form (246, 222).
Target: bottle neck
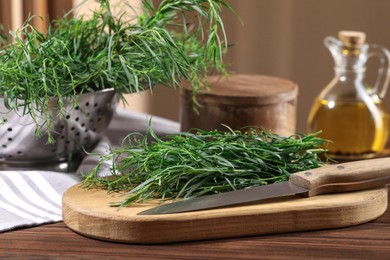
(351, 62)
(350, 72)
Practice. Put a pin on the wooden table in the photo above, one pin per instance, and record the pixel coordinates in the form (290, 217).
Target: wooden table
(56, 241)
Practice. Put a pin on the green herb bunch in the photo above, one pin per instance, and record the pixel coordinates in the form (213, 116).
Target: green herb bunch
(191, 164)
(42, 72)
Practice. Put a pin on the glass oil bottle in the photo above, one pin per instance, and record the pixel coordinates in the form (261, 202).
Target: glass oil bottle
(350, 113)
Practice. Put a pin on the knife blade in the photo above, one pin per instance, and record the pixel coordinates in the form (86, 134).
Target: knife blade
(344, 177)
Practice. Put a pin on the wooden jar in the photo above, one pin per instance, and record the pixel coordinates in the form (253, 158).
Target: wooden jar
(240, 101)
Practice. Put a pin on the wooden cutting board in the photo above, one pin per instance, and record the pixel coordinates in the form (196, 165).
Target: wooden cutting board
(88, 212)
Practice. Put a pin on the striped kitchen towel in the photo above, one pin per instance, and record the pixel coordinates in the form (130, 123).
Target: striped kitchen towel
(30, 198)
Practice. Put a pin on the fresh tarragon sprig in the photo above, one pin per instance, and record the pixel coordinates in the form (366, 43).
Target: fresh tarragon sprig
(191, 164)
(174, 41)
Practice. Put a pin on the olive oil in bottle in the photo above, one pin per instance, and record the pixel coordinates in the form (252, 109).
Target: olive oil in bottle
(355, 131)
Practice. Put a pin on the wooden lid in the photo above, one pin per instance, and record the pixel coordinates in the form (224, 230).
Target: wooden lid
(248, 89)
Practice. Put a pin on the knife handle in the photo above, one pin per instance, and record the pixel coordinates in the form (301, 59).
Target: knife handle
(350, 176)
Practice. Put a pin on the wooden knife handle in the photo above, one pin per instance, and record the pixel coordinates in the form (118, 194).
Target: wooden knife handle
(351, 176)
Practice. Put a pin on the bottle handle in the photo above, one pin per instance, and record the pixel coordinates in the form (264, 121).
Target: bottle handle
(383, 77)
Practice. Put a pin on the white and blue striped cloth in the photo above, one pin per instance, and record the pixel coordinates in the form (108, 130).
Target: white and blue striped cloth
(30, 198)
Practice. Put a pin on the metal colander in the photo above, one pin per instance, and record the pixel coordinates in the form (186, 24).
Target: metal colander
(78, 130)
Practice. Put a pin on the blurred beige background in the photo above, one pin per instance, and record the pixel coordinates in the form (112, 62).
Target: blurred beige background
(282, 38)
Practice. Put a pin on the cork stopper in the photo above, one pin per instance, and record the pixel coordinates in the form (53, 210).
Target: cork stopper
(352, 38)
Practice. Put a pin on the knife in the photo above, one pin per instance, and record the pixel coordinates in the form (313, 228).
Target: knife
(334, 178)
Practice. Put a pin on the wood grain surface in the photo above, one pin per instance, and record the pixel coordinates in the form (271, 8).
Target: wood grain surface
(56, 241)
(88, 213)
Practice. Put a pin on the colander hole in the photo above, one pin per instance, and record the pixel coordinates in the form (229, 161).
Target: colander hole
(82, 124)
(9, 156)
(77, 119)
(10, 139)
(87, 114)
(72, 128)
(62, 126)
(99, 119)
(53, 151)
(19, 152)
(86, 130)
(4, 146)
(67, 142)
(9, 129)
(77, 108)
(86, 104)
(95, 105)
(94, 129)
(77, 134)
(62, 137)
(99, 110)
(67, 117)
